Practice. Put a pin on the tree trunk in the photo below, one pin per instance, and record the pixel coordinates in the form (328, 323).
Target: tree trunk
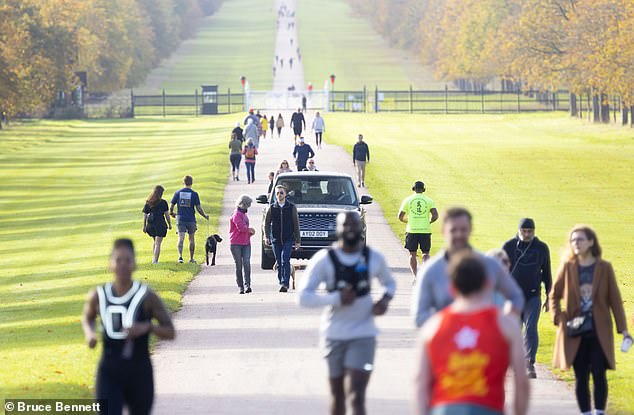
(573, 105)
(605, 109)
(624, 114)
(632, 116)
(596, 109)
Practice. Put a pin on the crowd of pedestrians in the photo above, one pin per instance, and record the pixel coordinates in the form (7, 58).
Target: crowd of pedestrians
(478, 313)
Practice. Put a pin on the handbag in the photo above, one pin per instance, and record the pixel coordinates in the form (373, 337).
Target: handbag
(580, 325)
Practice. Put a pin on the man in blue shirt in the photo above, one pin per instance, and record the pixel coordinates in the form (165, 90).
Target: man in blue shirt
(187, 200)
(302, 153)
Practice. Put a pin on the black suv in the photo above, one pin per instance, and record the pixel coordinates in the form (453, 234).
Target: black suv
(319, 197)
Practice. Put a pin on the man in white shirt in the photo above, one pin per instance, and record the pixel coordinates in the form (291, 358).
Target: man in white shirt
(348, 332)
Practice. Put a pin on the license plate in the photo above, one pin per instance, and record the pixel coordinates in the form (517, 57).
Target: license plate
(314, 234)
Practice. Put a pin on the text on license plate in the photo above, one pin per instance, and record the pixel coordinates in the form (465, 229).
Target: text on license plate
(314, 234)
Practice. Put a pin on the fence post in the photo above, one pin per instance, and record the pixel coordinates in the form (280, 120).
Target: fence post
(411, 103)
(132, 102)
(518, 99)
(376, 98)
(365, 100)
(196, 109)
(482, 98)
(229, 100)
(163, 103)
(446, 99)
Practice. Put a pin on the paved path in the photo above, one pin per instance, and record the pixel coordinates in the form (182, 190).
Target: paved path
(257, 353)
(285, 75)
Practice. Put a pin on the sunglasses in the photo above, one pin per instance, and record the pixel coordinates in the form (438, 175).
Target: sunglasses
(280, 193)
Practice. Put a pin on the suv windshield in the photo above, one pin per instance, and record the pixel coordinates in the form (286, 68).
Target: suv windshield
(320, 190)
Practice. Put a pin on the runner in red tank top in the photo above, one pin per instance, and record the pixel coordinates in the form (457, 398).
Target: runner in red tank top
(466, 349)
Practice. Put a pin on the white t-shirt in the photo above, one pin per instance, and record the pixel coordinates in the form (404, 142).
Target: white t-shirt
(343, 322)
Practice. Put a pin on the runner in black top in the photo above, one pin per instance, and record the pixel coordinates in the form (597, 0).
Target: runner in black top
(126, 307)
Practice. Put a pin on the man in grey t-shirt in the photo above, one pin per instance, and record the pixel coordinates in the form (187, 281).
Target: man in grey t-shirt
(432, 290)
(348, 332)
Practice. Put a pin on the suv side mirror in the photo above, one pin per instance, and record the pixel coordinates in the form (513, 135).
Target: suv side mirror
(366, 200)
(263, 199)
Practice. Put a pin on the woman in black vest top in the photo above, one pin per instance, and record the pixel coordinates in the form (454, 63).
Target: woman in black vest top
(156, 220)
(126, 309)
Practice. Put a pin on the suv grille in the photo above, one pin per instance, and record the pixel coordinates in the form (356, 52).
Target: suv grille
(318, 221)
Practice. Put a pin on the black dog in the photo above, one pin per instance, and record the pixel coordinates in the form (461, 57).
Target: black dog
(210, 247)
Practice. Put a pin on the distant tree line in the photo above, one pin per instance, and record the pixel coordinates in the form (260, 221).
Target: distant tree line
(586, 46)
(43, 44)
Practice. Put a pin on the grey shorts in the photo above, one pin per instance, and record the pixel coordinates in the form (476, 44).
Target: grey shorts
(186, 227)
(349, 354)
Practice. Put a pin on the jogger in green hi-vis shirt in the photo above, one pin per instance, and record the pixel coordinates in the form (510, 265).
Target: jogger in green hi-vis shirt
(419, 212)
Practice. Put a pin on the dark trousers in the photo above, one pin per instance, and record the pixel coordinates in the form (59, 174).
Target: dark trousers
(282, 252)
(235, 162)
(250, 172)
(125, 382)
(530, 319)
(318, 138)
(590, 359)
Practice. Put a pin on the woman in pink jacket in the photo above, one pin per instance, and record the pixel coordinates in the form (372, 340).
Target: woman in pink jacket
(240, 242)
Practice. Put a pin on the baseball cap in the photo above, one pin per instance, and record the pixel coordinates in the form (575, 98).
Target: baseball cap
(527, 223)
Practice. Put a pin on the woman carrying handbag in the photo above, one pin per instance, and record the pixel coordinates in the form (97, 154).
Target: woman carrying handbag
(587, 287)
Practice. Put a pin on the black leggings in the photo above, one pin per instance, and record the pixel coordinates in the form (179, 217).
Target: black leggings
(235, 162)
(318, 138)
(129, 382)
(279, 131)
(590, 359)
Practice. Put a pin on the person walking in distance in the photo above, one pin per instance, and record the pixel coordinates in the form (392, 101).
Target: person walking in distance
(238, 132)
(156, 220)
(530, 267)
(348, 332)
(251, 132)
(418, 212)
(298, 123)
(466, 349)
(265, 125)
(235, 156)
(281, 227)
(586, 285)
(250, 152)
(432, 291)
(302, 153)
(279, 124)
(319, 126)
(272, 126)
(271, 182)
(126, 308)
(360, 156)
(187, 200)
(240, 242)
(304, 101)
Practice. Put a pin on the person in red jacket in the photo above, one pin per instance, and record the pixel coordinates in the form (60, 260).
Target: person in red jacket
(466, 349)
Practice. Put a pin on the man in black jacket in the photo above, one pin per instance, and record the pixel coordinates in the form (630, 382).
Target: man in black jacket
(530, 267)
(281, 227)
(360, 156)
(298, 123)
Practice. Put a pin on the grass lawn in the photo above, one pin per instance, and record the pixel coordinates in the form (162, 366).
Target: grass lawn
(68, 190)
(239, 39)
(335, 40)
(555, 169)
